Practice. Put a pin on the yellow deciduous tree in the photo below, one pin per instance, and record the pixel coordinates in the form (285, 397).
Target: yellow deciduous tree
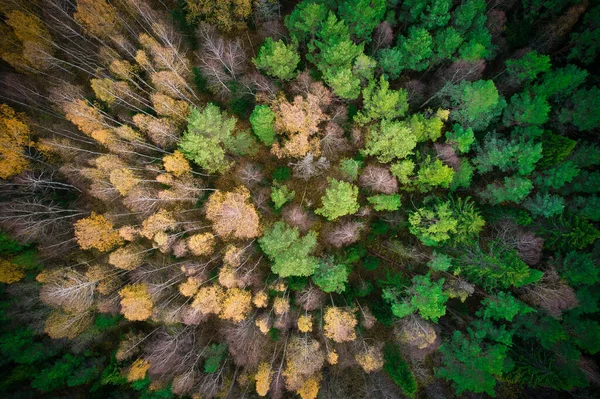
(263, 378)
(159, 222)
(305, 323)
(138, 370)
(14, 135)
(237, 304)
(339, 324)
(10, 272)
(310, 388)
(209, 299)
(67, 325)
(136, 303)
(96, 232)
(226, 14)
(124, 180)
(370, 359)
(190, 286)
(129, 257)
(176, 164)
(261, 299)
(97, 17)
(232, 214)
(201, 244)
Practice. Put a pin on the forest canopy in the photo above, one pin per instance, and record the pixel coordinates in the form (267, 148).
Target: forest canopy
(311, 199)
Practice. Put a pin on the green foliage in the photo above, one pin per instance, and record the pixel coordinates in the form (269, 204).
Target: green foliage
(362, 16)
(586, 155)
(586, 43)
(412, 52)
(585, 113)
(502, 306)
(579, 268)
(350, 168)
(280, 194)
(203, 141)
(340, 199)
(528, 67)
(278, 59)
(403, 171)
(555, 149)
(382, 202)
(288, 251)
(526, 109)
(214, 356)
(585, 182)
(306, 19)
(463, 176)
(69, 371)
(433, 225)
(465, 13)
(457, 219)
(106, 321)
(545, 204)
(460, 138)
(399, 370)
(567, 232)
(331, 276)
(19, 345)
(586, 207)
(433, 173)
(424, 128)
(557, 176)
(391, 140)
(518, 154)
(242, 143)
(263, 124)
(474, 104)
(344, 83)
(8, 246)
(446, 42)
(282, 173)
(471, 364)
(515, 189)
(424, 296)
(495, 267)
(561, 82)
(440, 262)
(379, 102)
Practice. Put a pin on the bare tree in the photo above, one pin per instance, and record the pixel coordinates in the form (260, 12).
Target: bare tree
(343, 234)
(221, 60)
(551, 293)
(447, 154)
(309, 167)
(378, 179)
(382, 37)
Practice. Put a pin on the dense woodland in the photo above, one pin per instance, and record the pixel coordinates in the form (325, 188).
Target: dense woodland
(328, 199)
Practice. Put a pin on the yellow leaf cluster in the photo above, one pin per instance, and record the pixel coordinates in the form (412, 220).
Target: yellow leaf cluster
(209, 299)
(232, 214)
(124, 180)
(201, 244)
(14, 135)
(138, 370)
(176, 164)
(339, 324)
(332, 357)
(136, 303)
(161, 221)
(67, 325)
(168, 106)
(129, 257)
(97, 17)
(237, 304)
(263, 323)
(370, 360)
(263, 378)
(96, 232)
(305, 323)
(261, 299)
(190, 286)
(281, 306)
(310, 388)
(10, 272)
